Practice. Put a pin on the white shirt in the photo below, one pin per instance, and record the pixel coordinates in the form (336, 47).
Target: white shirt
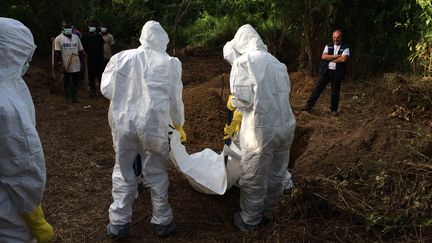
(69, 49)
(108, 42)
(346, 52)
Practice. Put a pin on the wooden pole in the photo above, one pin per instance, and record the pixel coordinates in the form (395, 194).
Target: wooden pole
(52, 60)
(223, 85)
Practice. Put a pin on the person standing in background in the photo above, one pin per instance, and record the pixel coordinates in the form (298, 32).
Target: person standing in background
(93, 46)
(333, 69)
(69, 51)
(108, 45)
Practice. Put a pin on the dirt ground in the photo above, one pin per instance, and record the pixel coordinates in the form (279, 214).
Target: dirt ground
(346, 186)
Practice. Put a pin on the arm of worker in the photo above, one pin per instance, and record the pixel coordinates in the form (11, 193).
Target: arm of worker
(81, 52)
(335, 58)
(22, 171)
(112, 44)
(241, 85)
(82, 55)
(176, 101)
(328, 57)
(58, 60)
(344, 57)
(229, 53)
(341, 58)
(58, 54)
(234, 126)
(109, 76)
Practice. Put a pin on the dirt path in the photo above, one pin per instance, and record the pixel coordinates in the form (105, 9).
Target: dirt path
(79, 160)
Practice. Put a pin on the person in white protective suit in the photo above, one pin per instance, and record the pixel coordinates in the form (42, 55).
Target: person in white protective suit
(232, 131)
(22, 163)
(260, 89)
(145, 89)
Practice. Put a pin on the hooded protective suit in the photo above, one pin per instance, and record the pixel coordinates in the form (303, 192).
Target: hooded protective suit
(261, 89)
(22, 164)
(145, 89)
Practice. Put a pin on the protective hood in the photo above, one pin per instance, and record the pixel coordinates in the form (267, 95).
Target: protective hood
(247, 39)
(229, 53)
(16, 48)
(153, 36)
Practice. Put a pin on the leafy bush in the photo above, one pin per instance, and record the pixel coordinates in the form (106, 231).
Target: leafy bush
(209, 31)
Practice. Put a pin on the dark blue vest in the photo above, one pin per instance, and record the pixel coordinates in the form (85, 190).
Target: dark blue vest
(340, 66)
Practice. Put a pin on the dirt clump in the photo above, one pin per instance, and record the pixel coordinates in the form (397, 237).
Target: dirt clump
(205, 113)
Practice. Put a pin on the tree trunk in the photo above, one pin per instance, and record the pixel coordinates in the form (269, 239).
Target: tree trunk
(181, 11)
(308, 28)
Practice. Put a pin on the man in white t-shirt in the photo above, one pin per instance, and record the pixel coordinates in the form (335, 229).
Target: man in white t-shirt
(333, 70)
(69, 52)
(108, 45)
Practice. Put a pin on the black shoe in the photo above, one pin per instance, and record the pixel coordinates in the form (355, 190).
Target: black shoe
(287, 191)
(238, 222)
(266, 221)
(334, 113)
(118, 231)
(164, 230)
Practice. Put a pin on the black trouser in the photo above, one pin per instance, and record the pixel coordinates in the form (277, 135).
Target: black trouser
(71, 82)
(332, 77)
(105, 62)
(94, 71)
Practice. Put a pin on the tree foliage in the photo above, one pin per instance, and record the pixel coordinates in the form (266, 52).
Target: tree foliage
(421, 48)
(383, 34)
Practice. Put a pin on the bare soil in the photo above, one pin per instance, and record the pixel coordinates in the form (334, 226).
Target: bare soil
(364, 175)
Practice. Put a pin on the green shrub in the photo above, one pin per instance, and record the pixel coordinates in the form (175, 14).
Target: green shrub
(209, 31)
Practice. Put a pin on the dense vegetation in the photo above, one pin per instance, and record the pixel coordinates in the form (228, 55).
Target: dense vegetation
(384, 35)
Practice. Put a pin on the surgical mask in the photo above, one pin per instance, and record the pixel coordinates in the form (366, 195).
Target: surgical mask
(92, 29)
(103, 29)
(25, 68)
(67, 31)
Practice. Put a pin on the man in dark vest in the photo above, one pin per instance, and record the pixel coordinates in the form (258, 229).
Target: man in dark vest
(93, 46)
(333, 70)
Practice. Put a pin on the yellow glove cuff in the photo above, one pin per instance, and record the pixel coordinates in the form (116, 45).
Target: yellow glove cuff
(180, 129)
(237, 117)
(236, 121)
(229, 131)
(41, 230)
(235, 125)
(230, 105)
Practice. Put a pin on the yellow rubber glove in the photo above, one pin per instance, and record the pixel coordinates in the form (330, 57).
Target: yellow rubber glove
(230, 105)
(182, 132)
(235, 125)
(39, 227)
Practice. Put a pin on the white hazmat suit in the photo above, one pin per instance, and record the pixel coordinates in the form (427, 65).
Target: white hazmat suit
(22, 163)
(145, 89)
(261, 87)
